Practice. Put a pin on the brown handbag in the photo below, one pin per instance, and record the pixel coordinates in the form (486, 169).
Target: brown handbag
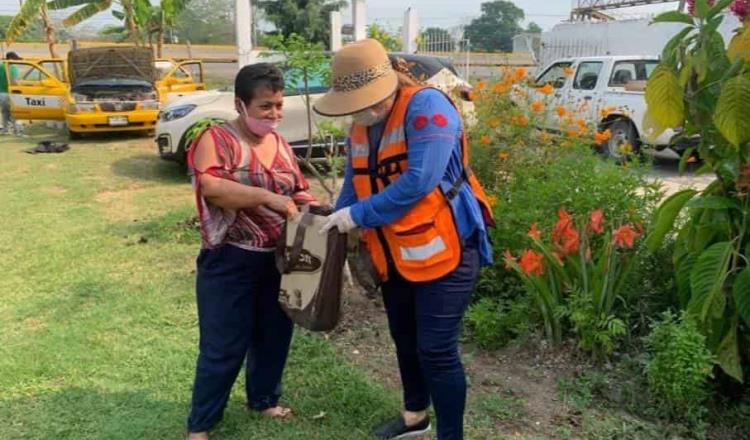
(311, 267)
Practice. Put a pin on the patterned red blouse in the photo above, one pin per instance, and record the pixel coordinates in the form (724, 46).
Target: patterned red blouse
(258, 228)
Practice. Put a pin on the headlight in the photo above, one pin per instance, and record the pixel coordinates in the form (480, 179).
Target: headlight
(150, 105)
(82, 107)
(172, 113)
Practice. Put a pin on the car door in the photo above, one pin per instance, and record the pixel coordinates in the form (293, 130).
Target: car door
(185, 77)
(581, 99)
(557, 75)
(56, 67)
(34, 92)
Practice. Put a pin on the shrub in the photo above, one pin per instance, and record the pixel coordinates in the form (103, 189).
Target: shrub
(679, 367)
(493, 322)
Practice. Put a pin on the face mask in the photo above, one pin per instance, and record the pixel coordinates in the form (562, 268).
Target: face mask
(368, 117)
(257, 126)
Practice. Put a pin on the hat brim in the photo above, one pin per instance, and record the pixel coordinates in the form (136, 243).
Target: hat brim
(335, 103)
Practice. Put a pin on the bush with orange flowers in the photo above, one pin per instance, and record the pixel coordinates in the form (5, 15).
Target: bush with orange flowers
(576, 275)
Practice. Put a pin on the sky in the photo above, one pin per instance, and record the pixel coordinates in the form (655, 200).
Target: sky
(441, 13)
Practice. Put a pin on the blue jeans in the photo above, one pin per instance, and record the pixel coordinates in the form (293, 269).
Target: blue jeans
(239, 318)
(425, 320)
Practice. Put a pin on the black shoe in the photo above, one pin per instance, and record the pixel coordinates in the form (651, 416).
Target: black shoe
(397, 428)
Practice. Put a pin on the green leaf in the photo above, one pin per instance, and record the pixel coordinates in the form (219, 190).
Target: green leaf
(728, 355)
(713, 202)
(673, 17)
(682, 278)
(708, 277)
(664, 97)
(686, 155)
(665, 216)
(86, 12)
(65, 4)
(651, 129)
(732, 110)
(670, 54)
(686, 71)
(742, 294)
(739, 47)
(719, 7)
(701, 8)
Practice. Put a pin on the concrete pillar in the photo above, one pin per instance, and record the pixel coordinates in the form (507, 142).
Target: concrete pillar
(335, 31)
(243, 17)
(359, 19)
(410, 31)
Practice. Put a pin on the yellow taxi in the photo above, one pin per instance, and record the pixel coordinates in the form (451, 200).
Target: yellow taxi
(177, 79)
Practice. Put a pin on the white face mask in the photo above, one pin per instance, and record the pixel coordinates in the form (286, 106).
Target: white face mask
(368, 117)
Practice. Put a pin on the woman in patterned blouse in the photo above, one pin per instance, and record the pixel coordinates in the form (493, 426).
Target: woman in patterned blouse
(246, 183)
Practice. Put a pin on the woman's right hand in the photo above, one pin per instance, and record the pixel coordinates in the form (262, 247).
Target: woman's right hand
(282, 204)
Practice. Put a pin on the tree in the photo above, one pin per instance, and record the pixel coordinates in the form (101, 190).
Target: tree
(391, 42)
(534, 28)
(307, 18)
(205, 22)
(24, 20)
(161, 19)
(495, 28)
(134, 14)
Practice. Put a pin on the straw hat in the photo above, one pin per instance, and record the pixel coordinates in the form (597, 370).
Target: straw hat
(362, 77)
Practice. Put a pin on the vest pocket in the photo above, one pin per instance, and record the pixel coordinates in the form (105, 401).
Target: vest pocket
(420, 245)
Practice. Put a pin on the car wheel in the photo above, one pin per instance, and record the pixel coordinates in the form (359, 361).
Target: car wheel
(623, 137)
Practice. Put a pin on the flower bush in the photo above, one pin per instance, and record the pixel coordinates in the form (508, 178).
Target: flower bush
(529, 173)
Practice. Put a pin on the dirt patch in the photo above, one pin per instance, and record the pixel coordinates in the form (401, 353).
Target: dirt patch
(524, 376)
(56, 190)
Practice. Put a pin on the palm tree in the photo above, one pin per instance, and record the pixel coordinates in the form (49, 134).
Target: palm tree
(162, 18)
(30, 10)
(134, 13)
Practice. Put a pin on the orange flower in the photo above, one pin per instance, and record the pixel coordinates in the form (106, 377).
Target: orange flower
(494, 122)
(485, 140)
(500, 88)
(481, 85)
(573, 134)
(537, 106)
(502, 156)
(532, 263)
(492, 200)
(546, 90)
(564, 235)
(561, 111)
(520, 73)
(508, 258)
(569, 71)
(603, 137)
(596, 222)
(534, 232)
(625, 236)
(523, 120)
(582, 123)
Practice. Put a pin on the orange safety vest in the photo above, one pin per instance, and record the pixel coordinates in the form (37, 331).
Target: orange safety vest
(424, 245)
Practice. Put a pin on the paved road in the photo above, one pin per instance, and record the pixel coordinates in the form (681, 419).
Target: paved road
(666, 170)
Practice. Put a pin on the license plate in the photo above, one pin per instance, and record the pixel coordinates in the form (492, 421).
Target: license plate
(118, 121)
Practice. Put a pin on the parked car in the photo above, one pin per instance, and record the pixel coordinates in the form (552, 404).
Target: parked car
(177, 119)
(177, 79)
(609, 92)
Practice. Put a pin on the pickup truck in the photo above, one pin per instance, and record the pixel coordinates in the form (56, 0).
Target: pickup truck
(608, 92)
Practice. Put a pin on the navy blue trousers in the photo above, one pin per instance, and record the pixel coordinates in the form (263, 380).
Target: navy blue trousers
(425, 321)
(239, 318)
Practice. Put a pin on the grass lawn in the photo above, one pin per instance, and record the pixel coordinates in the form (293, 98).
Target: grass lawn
(98, 331)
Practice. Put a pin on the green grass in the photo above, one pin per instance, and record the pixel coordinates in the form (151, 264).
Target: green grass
(98, 334)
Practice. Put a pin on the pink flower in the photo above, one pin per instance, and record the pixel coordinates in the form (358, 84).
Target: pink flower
(740, 8)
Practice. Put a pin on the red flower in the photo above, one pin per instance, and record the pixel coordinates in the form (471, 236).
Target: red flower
(534, 232)
(596, 222)
(564, 235)
(508, 258)
(740, 8)
(625, 236)
(532, 263)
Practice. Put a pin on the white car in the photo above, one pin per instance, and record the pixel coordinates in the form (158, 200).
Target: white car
(173, 129)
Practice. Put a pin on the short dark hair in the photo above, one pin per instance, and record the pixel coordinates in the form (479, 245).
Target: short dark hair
(12, 56)
(255, 76)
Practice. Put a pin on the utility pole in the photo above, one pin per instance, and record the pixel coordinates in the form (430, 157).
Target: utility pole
(243, 22)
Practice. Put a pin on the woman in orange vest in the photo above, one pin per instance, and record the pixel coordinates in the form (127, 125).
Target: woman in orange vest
(424, 221)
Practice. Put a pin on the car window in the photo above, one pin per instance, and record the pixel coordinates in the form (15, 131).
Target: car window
(29, 73)
(192, 70)
(555, 75)
(163, 68)
(55, 68)
(626, 71)
(587, 75)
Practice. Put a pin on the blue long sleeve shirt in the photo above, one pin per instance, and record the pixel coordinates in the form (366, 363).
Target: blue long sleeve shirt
(433, 132)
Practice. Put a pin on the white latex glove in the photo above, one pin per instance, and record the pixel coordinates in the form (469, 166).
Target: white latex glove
(341, 219)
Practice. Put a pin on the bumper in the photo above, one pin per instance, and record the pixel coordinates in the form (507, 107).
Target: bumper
(167, 150)
(100, 122)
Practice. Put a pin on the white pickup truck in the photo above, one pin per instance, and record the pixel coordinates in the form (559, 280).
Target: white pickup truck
(608, 92)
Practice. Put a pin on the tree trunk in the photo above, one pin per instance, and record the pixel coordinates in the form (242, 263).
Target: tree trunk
(160, 42)
(130, 23)
(48, 30)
